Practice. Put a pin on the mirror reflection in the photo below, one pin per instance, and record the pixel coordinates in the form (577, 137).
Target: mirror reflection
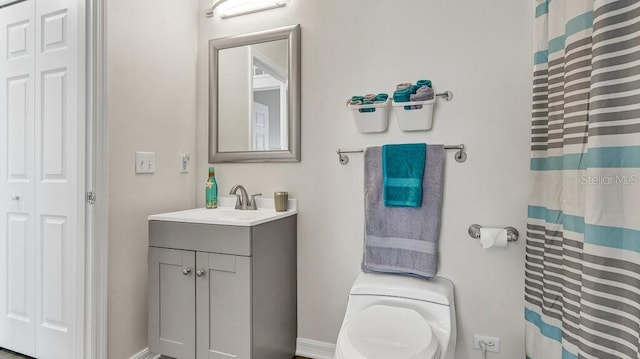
(252, 97)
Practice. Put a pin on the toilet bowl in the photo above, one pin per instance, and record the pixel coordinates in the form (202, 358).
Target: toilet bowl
(399, 317)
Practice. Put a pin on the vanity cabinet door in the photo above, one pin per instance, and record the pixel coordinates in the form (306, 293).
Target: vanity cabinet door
(172, 302)
(223, 304)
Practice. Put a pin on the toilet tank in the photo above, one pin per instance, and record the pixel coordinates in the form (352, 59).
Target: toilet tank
(436, 290)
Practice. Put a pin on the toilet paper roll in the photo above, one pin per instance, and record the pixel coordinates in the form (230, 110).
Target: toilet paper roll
(493, 237)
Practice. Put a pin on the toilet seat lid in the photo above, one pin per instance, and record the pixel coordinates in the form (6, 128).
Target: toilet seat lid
(383, 332)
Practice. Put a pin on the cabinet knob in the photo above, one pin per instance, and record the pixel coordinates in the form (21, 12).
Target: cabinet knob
(186, 271)
(200, 273)
(15, 197)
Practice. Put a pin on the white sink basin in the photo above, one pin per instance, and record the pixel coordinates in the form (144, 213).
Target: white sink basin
(228, 215)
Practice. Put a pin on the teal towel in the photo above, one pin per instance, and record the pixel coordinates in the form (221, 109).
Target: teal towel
(402, 95)
(421, 83)
(402, 172)
(367, 102)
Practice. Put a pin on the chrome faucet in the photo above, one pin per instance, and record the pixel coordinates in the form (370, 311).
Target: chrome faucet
(243, 201)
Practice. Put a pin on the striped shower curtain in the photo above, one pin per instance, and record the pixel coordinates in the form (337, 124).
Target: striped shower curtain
(582, 281)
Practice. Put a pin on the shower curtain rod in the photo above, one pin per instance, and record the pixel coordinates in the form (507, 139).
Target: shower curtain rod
(460, 156)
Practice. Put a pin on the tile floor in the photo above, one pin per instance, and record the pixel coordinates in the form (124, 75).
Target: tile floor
(6, 354)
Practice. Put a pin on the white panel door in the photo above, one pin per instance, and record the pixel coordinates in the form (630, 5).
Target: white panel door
(59, 210)
(17, 178)
(42, 178)
(259, 127)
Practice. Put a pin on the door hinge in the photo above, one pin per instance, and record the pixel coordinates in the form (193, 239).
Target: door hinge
(91, 197)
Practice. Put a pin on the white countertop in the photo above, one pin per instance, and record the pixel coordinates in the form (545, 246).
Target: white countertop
(225, 214)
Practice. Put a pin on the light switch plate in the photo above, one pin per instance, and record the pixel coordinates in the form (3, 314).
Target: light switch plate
(184, 162)
(145, 162)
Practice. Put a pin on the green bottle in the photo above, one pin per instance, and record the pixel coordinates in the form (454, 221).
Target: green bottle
(212, 190)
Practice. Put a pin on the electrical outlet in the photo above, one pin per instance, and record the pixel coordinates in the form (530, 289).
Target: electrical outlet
(145, 162)
(493, 344)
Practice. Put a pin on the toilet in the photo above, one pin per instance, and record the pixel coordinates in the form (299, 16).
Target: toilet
(398, 317)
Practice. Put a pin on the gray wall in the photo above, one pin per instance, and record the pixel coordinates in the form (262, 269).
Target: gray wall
(152, 77)
(480, 50)
(233, 99)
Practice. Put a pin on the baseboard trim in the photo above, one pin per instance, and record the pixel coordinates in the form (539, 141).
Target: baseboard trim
(304, 347)
(314, 349)
(145, 354)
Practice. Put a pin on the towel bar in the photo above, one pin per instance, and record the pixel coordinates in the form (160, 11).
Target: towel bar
(460, 156)
(447, 95)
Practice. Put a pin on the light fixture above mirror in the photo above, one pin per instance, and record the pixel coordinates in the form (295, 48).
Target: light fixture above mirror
(233, 8)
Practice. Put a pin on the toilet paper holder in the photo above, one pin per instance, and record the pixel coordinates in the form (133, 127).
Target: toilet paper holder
(512, 233)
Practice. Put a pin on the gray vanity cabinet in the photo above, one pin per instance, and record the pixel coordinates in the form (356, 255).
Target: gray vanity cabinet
(172, 324)
(221, 292)
(223, 306)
